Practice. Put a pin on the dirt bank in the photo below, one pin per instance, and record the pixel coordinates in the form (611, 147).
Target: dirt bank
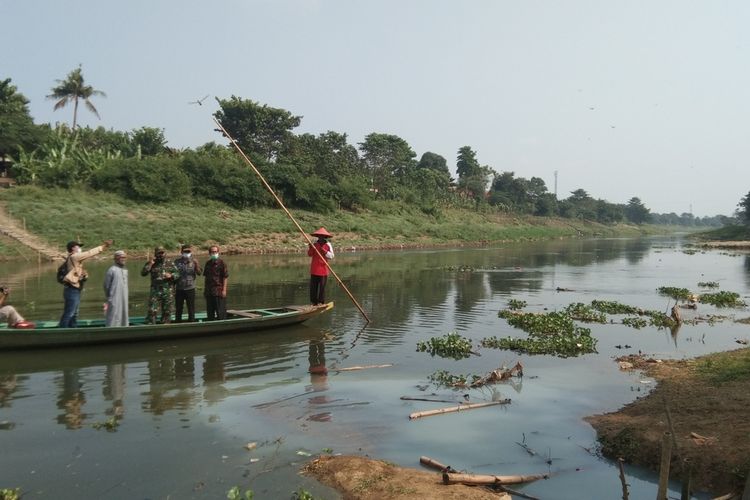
(709, 418)
(364, 478)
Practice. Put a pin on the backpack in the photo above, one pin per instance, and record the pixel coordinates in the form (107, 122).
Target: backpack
(62, 272)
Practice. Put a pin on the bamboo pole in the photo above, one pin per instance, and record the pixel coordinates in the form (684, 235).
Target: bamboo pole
(289, 214)
(687, 472)
(365, 367)
(435, 464)
(481, 479)
(625, 495)
(666, 457)
(468, 406)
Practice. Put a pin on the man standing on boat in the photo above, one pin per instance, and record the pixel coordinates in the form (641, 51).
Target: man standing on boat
(116, 292)
(318, 267)
(75, 279)
(164, 274)
(189, 269)
(216, 275)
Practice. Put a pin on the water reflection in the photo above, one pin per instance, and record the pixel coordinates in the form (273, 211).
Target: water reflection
(318, 381)
(71, 399)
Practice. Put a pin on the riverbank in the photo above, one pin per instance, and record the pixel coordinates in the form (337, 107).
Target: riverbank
(707, 400)
(56, 216)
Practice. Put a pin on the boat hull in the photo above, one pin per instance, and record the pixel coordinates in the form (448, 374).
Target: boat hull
(94, 332)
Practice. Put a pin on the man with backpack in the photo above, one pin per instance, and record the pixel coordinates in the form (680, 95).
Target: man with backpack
(74, 279)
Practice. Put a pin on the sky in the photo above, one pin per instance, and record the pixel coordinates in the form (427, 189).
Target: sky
(638, 98)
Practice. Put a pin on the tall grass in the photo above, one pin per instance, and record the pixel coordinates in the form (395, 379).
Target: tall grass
(59, 215)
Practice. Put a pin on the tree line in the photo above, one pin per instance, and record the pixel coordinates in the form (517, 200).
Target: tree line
(321, 172)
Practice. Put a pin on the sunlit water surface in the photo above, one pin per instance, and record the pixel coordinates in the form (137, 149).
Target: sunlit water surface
(185, 410)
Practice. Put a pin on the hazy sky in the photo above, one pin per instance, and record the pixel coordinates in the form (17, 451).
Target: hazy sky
(621, 98)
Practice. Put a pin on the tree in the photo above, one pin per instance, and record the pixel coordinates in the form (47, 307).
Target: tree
(17, 129)
(388, 159)
(433, 161)
(636, 211)
(259, 129)
(743, 209)
(467, 165)
(150, 140)
(74, 89)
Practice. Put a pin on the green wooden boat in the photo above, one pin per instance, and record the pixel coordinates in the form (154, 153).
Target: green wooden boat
(47, 334)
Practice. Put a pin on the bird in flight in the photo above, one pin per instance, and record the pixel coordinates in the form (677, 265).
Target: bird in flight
(199, 102)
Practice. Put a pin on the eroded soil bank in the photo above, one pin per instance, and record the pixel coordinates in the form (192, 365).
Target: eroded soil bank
(364, 478)
(708, 400)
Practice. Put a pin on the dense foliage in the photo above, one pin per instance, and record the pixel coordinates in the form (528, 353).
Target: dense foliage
(321, 172)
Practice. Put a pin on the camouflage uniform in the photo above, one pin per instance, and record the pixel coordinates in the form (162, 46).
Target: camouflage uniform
(162, 289)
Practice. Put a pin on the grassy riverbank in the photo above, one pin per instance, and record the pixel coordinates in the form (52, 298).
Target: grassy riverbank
(57, 215)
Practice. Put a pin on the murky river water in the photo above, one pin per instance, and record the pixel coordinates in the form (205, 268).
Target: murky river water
(185, 410)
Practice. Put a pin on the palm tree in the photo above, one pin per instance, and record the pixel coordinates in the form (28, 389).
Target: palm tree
(73, 89)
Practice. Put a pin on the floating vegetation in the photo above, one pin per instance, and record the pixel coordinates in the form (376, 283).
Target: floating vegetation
(235, 494)
(450, 345)
(722, 299)
(612, 307)
(690, 251)
(515, 304)
(447, 379)
(674, 292)
(463, 269)
(551, 333)
(10, 494)
(576, 343)
(581, 312)
(111, 424)
(635, 322)
(708, 284)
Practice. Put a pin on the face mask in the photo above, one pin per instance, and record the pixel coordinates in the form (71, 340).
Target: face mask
(214, 256)
(78, 250)
(187, 255)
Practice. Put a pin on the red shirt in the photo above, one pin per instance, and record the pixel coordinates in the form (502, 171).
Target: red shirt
(317, 265)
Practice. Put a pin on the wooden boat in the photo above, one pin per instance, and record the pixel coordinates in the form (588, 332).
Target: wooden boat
(47, 334)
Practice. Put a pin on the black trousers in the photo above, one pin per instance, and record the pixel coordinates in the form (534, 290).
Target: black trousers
(216, 307)
(318, 289)
(182, 297)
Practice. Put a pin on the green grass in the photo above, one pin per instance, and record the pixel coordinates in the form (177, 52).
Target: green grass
(726, 367)
(59, 215)
(726, 233)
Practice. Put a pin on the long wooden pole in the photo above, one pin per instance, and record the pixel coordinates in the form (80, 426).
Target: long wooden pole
(289, 214)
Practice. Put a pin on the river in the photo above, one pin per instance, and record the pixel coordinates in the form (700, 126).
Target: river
(163, 420)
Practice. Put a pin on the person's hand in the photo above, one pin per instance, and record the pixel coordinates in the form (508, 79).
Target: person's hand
(105, 306)
(167, 276)
(107, 243)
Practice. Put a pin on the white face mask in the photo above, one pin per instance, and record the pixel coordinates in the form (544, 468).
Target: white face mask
(187, 255)
(78, 250)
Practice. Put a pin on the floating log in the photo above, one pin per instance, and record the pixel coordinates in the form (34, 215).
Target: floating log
(435, 464)
(468, 406)
(486, 480)
(365, 367)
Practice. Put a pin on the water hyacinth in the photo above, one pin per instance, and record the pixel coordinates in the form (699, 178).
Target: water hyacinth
(722, 299)
(581, 312)
(674, 292)
(613, 307)
(450, 345)
(516, 305)
(551, 333)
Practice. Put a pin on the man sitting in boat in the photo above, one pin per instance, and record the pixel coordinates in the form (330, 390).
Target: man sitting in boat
(8, 313)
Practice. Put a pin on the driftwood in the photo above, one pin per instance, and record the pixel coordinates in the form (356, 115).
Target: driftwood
(464, 407)
(365, 367)
(435, 464)
(409, 398)
(487, 480)
(676, 315)
(498, 375)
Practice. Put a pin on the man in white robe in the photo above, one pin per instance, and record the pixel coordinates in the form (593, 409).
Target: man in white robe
(116, 291)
